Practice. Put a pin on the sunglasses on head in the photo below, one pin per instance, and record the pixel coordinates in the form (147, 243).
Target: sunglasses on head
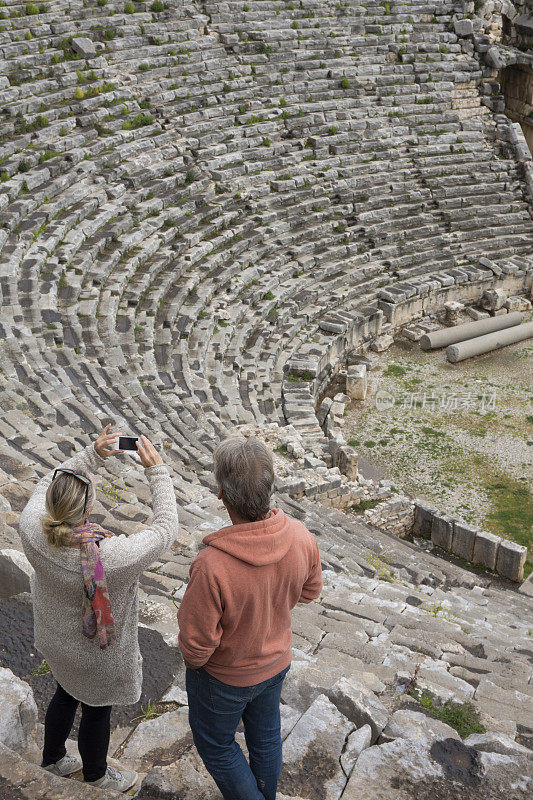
(81, 478)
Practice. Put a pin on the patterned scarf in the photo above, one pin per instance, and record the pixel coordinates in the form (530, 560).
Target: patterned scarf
(97, 619)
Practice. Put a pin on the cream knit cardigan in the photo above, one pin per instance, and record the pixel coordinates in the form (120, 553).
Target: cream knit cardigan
(96, 677)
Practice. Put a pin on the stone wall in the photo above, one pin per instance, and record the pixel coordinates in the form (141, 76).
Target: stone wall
(472, 544)
(517, 88)
(395, 516)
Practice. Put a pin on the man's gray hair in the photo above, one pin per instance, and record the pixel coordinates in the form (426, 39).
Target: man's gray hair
(244, 470)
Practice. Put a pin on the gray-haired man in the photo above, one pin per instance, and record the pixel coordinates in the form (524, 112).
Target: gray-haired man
(235, 624)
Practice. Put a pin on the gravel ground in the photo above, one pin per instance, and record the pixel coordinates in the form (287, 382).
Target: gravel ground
(458, 435)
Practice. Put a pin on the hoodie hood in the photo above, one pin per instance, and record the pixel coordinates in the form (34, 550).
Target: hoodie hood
(258, 543)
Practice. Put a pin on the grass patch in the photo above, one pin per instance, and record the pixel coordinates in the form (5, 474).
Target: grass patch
(383, 571)
(460, 716)
(511, 513)
(364, 505)
(281, 449)
(432, 432)
(304, 376)
(395, 370)
(137, 122)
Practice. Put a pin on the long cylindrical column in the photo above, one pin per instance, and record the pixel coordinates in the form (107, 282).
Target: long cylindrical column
(460, 333)
(491, 341)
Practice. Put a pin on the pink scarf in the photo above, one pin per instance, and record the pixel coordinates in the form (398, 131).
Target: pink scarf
(97, 620)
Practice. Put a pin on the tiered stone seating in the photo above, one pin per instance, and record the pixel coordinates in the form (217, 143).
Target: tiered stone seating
(180, 256)
(189, 217)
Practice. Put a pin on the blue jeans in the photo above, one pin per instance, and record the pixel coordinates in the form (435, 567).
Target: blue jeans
(215, 710)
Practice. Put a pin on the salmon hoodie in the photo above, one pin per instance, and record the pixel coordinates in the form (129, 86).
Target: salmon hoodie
(235, 617)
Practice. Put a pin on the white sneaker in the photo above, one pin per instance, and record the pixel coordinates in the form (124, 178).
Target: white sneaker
(118, 781)
(66, 766)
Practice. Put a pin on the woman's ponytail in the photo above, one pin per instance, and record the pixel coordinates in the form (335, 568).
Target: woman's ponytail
(56, 531)
(65, 503)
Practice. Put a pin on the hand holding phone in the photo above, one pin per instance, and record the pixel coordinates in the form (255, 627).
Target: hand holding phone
(107, 443)
(147, 453)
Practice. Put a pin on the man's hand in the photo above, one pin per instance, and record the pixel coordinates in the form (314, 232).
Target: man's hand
(104, 442)
(147, 453)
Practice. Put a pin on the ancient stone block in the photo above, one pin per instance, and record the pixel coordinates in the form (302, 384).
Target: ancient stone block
(406, 768)
(357, 741)
(186, 777)
(324, 409)
(84, 47)
(19, 712)
(382, 343)
(511, 559)
(356, 381)
(378, 769)
(344, 457)
(406, 724)
(476, 313)
(463, 27)
(168, 734)
(495, 58)
(21, 779)
(442, 531)
(423, 522)
(15, 573)
(486, 549)
(527, 586)
(453, 309)
(514, 304)
(311, 752)
(497, 743)
(493, 299)
(359, 704)
(463, 539)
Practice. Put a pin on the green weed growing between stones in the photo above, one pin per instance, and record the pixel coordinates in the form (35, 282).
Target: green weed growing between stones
(42, 669)
(148, 712)
(460, 716)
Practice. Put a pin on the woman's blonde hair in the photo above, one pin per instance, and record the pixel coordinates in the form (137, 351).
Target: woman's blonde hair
(65, 501)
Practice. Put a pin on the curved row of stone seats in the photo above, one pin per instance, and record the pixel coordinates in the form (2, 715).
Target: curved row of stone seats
(42, 421)
(191, 276)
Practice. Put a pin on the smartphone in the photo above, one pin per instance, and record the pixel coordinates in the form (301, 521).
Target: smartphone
(127, 443)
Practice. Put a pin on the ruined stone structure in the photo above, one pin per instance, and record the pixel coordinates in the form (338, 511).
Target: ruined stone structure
(208, 210)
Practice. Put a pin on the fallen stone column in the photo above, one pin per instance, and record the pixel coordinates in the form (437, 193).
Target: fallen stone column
(492, 341)
(446, 336)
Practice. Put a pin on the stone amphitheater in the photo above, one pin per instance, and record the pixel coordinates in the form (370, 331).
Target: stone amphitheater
(209, 212)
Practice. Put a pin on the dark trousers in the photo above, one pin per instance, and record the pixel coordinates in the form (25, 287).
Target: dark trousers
(215, 710)
(93, 736)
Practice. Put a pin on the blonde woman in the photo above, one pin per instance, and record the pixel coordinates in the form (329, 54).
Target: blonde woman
(85, 601)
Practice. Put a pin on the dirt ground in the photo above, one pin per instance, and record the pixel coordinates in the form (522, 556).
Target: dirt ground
(458, 435)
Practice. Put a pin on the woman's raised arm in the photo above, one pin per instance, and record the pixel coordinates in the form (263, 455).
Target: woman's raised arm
(131, 555)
